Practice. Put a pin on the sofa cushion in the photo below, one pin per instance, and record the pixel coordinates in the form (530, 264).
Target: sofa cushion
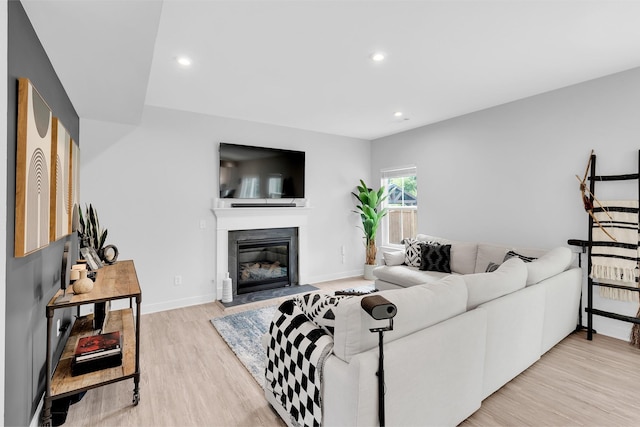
(404, 276)
(482, 287)
(489, 253)
(553, 262)
(435, 258)
(418, 307)
(393, 257)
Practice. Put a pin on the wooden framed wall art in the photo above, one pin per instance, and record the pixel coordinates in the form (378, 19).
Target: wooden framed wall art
(74, 174)
(33, 171)
(61, 203)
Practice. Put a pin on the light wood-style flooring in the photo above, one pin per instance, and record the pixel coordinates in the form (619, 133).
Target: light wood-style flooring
(190, 377)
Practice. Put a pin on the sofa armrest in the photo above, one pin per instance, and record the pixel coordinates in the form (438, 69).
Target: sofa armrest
(430, 378)
(296, 351)
(562, 306)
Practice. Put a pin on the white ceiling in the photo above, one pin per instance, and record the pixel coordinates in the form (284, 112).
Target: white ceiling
(306, 64)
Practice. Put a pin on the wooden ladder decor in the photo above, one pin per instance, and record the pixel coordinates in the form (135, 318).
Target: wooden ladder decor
(589, 200)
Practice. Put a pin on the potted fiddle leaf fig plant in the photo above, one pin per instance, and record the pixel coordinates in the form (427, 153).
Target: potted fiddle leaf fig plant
(371, 212)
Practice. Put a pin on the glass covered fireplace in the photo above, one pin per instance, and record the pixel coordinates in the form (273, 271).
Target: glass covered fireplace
(263, 259)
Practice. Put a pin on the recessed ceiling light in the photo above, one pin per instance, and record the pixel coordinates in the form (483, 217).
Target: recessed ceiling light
(378, 56)
(185, 61)
(397, 114)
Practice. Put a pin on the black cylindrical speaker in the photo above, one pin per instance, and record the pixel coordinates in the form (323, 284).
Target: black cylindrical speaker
(378, 307)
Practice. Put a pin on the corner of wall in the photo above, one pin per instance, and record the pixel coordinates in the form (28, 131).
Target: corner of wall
(3, 192)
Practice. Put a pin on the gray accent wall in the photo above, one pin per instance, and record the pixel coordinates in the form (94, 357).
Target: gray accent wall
(31, 281)
(507, 174)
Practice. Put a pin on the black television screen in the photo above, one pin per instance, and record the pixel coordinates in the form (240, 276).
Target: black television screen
(248, 172)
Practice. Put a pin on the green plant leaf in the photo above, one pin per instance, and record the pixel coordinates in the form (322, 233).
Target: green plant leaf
(90, 228)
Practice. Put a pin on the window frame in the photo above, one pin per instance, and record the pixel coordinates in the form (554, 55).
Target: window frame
(385, 176)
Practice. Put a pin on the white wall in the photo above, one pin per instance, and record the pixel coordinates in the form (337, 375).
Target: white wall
(506, 174)
(154, 183)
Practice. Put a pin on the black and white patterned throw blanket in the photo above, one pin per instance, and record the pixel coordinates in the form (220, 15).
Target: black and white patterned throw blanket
(295, 357)
(616, 262)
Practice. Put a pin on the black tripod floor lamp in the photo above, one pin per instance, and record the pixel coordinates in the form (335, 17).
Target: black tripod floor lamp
(380, 308)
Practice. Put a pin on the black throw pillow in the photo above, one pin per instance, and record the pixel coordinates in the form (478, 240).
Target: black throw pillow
(436, 258)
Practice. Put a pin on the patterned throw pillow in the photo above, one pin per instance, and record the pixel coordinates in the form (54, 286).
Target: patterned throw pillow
(492, 267)
(412, 252)
(319, 308)
(435, 258)
(512, 254)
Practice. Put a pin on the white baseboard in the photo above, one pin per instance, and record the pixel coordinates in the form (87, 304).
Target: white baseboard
(204, 299)
(178, 303)
(335, 276)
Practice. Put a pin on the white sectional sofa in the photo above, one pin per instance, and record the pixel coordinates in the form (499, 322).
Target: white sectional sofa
(457, 338)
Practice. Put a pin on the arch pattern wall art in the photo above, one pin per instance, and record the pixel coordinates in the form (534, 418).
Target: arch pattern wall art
(74, 176)
(61, 192)
(33, 170)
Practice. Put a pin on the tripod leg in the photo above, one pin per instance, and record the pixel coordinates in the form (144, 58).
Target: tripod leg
(381, 414)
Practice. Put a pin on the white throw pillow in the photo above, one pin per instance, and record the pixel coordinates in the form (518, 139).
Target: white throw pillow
(553, 262)
(482, 287)
(393, 257)
(463, 257)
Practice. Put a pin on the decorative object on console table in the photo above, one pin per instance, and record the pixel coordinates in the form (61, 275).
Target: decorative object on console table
(91, 257)
(93, 236)
(83, 285)
(371, 213)
(110, 254)
(101, 315)
(97, 352)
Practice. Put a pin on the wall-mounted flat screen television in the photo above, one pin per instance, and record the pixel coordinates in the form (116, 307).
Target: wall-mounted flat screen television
(248, 172)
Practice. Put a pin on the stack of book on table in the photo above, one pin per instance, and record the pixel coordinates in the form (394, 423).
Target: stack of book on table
(97, 352)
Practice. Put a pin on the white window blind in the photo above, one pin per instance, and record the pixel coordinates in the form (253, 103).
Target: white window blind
(398, 172)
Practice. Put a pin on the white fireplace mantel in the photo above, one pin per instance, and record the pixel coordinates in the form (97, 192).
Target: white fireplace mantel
(228, 219)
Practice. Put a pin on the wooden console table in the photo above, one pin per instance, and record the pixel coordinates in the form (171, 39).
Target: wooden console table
(112, 282)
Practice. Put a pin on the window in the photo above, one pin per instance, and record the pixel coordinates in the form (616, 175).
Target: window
(402, 204)
(275, 186)
(250, 187)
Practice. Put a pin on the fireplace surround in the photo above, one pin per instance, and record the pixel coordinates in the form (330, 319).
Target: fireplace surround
(230, 219)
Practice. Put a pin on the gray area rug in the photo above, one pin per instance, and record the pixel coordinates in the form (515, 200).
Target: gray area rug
(243, 333)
